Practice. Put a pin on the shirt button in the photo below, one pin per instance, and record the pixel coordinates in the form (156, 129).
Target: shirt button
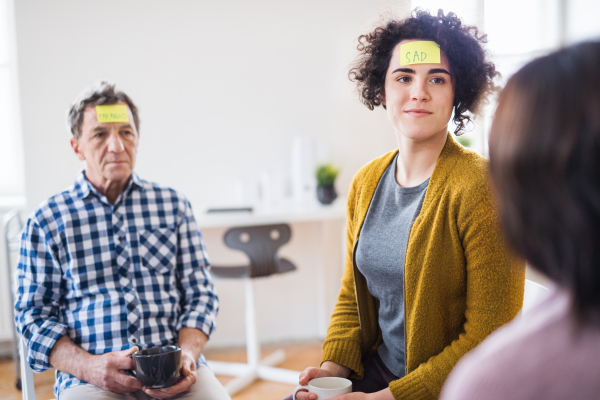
(134, 340)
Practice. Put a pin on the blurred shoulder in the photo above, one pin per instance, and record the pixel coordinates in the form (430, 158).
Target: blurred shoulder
(525, 359)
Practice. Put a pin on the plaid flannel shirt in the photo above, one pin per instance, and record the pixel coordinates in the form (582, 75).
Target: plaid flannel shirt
(111, 276)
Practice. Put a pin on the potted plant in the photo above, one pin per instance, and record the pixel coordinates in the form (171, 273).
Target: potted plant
(465, 141)
(326, 174)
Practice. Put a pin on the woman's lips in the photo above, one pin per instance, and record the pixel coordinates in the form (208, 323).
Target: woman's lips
(418, 112)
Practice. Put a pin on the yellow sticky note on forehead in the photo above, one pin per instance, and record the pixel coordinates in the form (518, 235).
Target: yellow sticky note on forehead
(419, 52)
(112, 113)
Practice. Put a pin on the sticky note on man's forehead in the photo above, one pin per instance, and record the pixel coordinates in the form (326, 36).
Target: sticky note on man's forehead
(112, 113)
(419, 52)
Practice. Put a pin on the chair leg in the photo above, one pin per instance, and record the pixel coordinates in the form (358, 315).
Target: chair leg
(241, 382)
(252, 343)
(278, 375)
(27, 388)
(255, 368)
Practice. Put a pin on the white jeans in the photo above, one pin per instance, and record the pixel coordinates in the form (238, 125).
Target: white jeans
(207, 387)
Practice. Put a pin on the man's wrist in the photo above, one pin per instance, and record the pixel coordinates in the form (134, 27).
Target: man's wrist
(192, 341)
(68, 357)
(86, 360)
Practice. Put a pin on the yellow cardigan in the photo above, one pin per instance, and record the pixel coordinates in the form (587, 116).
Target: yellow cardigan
(460, 283)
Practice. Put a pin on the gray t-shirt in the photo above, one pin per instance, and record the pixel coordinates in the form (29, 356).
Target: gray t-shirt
(380, 258)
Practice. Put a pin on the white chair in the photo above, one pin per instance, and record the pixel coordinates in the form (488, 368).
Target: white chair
(260, 243)
(534, 292)
(12, 235)
(13, 225)
(27, 387)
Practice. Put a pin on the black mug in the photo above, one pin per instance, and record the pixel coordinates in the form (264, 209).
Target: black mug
(157, 367)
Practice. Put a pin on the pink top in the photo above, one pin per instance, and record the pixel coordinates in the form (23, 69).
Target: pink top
(541, 356)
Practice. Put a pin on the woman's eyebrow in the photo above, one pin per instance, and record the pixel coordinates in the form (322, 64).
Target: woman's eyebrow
(407, 70)
(431, 71)
(438, 71)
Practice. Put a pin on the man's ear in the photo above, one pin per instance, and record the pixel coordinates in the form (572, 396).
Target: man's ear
(75, 147)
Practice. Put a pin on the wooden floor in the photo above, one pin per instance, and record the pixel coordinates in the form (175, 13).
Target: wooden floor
(299, 356)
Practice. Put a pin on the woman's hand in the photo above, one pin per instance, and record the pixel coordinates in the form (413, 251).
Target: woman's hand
(312, 373)
(328, 368)
(305, 376)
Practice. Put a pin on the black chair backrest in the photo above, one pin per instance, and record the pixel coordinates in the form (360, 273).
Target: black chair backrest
(261, 244)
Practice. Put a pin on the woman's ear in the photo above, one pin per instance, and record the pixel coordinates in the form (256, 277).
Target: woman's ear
(382, 98)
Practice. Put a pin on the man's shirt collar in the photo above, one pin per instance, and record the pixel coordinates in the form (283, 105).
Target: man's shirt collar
(83, 187)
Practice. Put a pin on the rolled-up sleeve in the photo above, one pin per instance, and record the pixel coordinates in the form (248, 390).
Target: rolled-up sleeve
(38, 296)
(199, 301)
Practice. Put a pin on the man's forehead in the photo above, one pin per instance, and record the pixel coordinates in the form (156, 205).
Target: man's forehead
(91, 112)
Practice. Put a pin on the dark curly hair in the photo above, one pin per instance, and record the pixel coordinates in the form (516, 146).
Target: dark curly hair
(472, 75)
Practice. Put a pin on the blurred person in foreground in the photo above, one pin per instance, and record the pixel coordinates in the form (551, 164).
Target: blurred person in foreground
(112, 264)
(545, 167)
(427, 276)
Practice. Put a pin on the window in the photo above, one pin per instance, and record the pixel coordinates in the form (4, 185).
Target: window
(11, 160)
(517, 30)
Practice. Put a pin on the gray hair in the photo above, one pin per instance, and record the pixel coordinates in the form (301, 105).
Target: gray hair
(102, 94)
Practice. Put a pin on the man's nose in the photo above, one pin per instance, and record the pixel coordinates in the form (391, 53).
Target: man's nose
(115, 144)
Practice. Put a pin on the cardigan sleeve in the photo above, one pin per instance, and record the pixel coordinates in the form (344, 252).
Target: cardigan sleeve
(343, 340)
(494, 294)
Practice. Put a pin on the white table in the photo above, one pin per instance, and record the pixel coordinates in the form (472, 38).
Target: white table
(329, 249)
(286, 212)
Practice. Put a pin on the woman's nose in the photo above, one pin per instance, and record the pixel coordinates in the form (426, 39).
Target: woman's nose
(419, 91)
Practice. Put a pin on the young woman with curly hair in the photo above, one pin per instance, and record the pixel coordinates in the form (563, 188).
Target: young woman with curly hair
(427, 276)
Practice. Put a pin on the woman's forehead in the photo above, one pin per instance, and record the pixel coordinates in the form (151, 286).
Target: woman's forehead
(417, 54)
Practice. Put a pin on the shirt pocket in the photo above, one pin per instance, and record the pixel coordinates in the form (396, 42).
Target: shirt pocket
(158, 249)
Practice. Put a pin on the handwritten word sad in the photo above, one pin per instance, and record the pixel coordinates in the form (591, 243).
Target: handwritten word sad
(420, 52)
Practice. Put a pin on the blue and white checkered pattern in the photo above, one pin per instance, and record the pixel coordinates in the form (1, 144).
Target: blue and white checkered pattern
(111, 276)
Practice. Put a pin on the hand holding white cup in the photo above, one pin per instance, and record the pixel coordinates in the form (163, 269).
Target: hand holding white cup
(326, 387)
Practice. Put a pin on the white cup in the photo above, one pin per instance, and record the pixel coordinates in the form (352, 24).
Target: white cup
(326, 388)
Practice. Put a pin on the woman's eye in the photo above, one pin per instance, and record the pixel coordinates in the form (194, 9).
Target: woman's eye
(404, 79)
(438, 80)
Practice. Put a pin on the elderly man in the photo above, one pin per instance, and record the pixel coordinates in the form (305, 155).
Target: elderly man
(113, 264)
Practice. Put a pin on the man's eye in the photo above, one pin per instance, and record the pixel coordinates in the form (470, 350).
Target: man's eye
(99, 134)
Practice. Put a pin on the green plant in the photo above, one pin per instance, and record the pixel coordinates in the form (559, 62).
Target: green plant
(465, 141)
(326, 174)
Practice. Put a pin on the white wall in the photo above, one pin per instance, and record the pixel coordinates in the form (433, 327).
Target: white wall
(222, 88)
(582, 20)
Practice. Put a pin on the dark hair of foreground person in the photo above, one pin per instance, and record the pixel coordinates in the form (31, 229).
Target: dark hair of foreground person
(545, 167)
